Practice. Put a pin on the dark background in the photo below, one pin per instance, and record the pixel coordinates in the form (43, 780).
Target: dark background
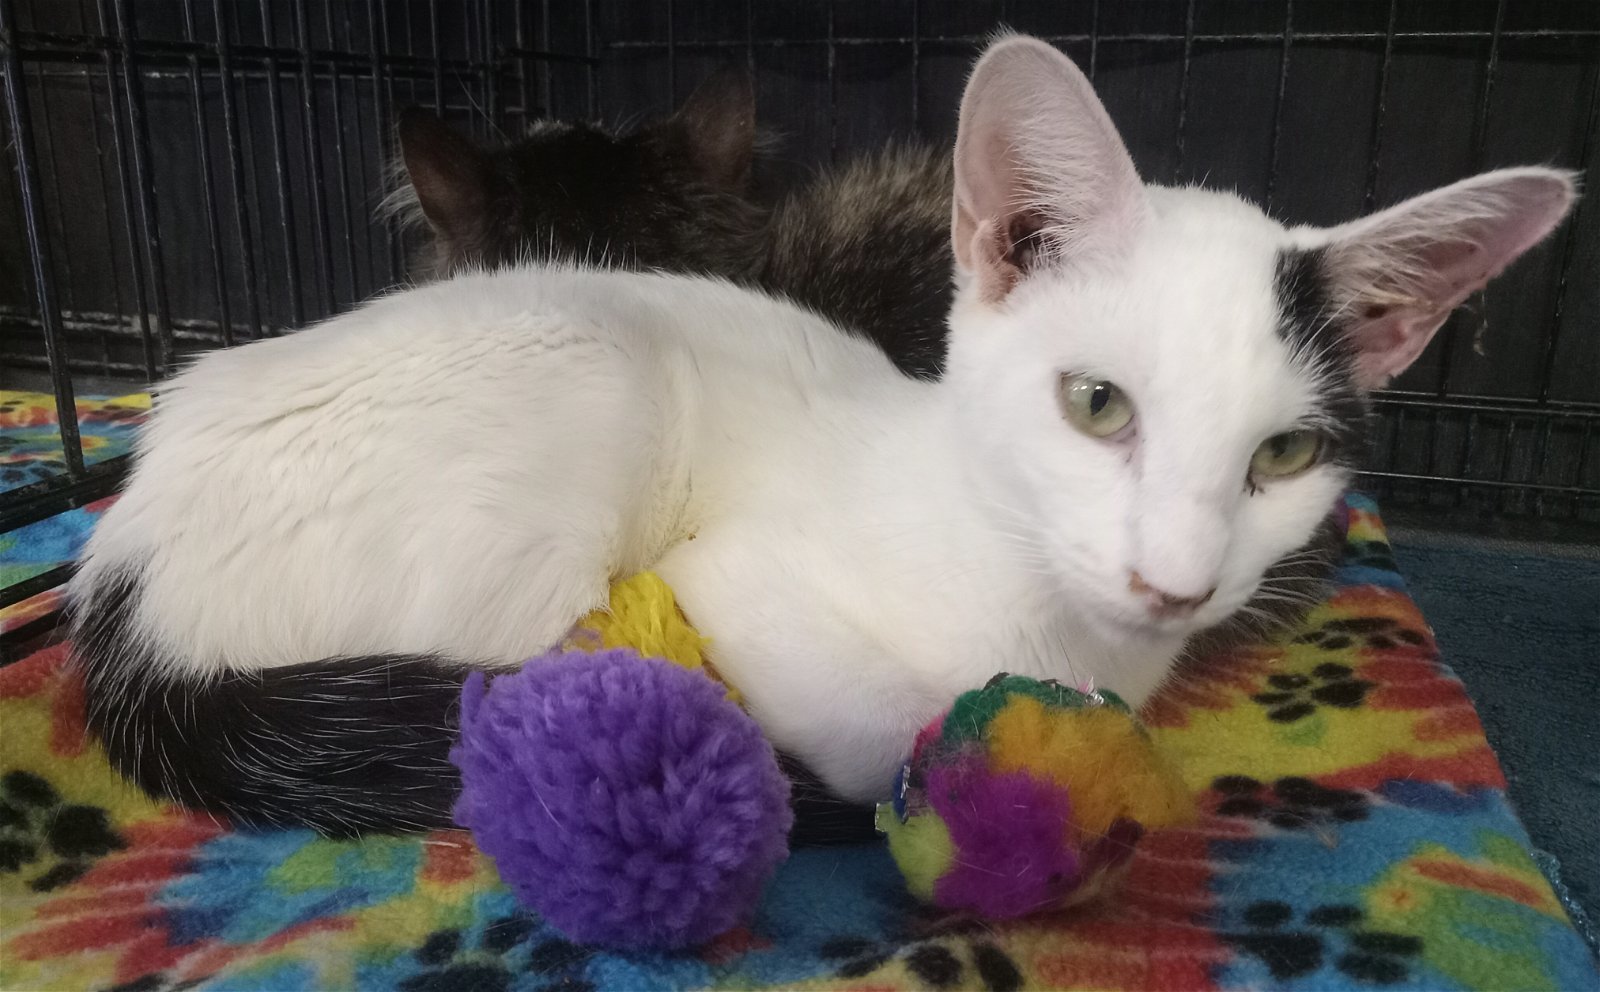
(206, 182)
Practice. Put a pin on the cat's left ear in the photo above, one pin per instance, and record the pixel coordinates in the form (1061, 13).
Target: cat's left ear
(1400, 273)
(1041, 175)
(717, 125)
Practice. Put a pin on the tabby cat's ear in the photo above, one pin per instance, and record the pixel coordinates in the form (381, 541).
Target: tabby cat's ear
(1041, 175)
(451, 175)
(717, 128)
(1400, 272)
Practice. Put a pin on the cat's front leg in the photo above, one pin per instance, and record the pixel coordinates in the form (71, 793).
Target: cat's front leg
(844, 713)
(821, 686)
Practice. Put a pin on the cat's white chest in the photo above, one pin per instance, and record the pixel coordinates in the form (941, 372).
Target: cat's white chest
(845, 649)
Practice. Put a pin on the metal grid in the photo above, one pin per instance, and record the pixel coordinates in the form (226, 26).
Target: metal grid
(191, 174)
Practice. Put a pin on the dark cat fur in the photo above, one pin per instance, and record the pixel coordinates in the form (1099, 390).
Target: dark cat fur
(866, 246)
(670, 195)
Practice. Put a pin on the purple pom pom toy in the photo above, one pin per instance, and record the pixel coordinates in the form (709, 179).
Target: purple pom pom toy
(623, 798)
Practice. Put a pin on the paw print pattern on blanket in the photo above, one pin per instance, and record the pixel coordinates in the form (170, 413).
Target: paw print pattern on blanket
(1291, 803)
(934, 965)
(38, 830)
(1378, 633)
(1369, 956)
(1294, 696)
(449, 964)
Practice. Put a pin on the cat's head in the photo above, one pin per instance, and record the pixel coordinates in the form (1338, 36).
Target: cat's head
(671, 194)
(1165, 389)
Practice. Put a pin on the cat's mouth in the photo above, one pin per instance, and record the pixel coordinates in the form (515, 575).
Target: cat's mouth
(1119, 617)
(1121, 620)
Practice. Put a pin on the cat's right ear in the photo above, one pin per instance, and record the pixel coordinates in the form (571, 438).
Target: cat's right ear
(450, 174)
(717, 125)
(1041, 174)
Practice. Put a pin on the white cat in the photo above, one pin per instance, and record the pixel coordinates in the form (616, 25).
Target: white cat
(1153, 397)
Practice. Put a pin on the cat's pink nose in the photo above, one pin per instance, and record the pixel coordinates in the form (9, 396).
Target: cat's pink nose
(1162, 603)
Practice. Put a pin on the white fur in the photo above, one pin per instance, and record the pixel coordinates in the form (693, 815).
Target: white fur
(462, 468)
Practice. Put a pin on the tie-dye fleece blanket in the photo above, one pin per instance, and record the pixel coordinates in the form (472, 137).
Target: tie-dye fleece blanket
(30, 452)
(1355, 834)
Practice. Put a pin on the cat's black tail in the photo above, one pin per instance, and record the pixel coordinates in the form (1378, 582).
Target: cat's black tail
(345, 746)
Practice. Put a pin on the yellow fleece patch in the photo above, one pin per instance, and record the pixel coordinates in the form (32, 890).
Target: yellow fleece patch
(1106, 763)
(922, 848)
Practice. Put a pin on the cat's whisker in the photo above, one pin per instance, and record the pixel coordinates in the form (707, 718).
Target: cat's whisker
(1306, 599)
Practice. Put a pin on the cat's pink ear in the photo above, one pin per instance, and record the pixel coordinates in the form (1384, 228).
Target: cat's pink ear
(1400, 273)
(717, 124)
(1041, 174)
(449, 173)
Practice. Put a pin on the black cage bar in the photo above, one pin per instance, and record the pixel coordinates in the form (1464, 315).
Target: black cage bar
(188, 174)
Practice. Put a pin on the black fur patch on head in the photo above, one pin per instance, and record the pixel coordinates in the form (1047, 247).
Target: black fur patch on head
(1313, 326)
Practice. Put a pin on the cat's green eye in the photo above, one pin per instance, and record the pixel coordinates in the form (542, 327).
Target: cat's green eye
(1286, 454)
(1094, 406)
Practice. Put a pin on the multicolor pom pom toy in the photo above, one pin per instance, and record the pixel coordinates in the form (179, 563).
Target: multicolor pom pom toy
(1027, 796)
(627, 798)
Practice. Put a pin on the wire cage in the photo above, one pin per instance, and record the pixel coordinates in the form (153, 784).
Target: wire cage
(190, 174)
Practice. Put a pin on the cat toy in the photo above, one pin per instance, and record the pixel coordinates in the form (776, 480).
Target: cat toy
(627, 798)
(1027, 796)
